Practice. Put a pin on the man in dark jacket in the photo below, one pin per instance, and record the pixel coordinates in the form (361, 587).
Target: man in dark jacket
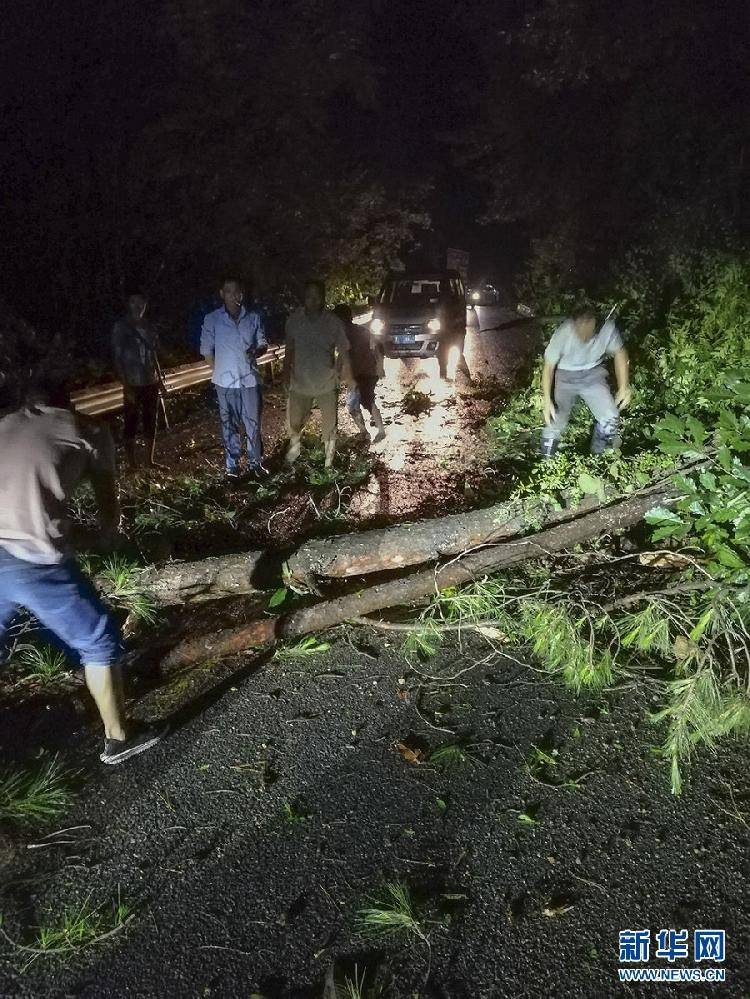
(134, 346)
(366, 362)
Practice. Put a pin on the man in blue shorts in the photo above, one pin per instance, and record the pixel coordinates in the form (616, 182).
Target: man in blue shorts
(47, 450)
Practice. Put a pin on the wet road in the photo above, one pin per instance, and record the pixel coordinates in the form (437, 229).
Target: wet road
(446, 436)
(427, 461)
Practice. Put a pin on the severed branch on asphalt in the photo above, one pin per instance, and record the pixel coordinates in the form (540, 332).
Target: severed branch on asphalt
(403, 545)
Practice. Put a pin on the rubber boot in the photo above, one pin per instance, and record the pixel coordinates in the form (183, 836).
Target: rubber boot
(330, 449)
(377, 421)
(604, 438)
(295, 448)
(548, 447)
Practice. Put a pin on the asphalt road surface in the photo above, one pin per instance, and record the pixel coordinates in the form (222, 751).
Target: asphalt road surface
(246, 844)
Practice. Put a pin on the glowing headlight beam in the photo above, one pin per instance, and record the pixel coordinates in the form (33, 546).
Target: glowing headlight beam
(434, 325)
(377, 326)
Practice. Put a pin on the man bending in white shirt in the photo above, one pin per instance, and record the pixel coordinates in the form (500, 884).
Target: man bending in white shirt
(575, 365)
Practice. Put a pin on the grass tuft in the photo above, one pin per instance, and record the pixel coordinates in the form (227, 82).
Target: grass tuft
(353, 988)
(449, 757)
(33, 797)
(42, 663)
(77, 928)
(122, 579)
(308, 646)
(392, 914)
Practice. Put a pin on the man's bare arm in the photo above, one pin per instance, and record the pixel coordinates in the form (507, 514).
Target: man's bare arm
(624, 394)
(548, 407)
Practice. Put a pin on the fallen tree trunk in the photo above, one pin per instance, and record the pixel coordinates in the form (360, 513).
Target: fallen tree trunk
(195, 582)
(416, 587)
(422, 541)
(347, 555)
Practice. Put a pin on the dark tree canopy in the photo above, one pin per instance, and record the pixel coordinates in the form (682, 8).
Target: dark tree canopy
(603, 125)
(161, 144)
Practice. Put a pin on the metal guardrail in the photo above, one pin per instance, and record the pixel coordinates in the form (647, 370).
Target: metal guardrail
(108, 398)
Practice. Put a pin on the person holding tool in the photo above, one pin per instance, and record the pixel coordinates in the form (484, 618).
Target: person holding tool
(134, 353)
(575, 363)
(232, 338)
(366, 361)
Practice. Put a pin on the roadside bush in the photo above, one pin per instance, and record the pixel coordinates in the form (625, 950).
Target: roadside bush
(690, 420)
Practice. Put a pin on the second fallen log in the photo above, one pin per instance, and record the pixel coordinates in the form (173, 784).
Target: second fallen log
(414, 588)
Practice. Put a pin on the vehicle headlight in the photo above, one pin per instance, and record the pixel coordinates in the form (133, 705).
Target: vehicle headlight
(475, 296)
(377, 326)
(434, 325)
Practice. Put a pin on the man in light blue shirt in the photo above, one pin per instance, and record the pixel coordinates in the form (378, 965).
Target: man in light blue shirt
(231, 339)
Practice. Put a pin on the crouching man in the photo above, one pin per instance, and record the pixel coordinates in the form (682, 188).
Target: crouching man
(46, 452)
(575, 364)
(316, 356)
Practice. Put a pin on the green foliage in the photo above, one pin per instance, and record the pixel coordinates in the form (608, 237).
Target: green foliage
(414, 402)
(565, 479)
(32, 797)
(565, 645)
(707, 335)
(77, 928)
(646, 630)
(351, 470)
(41, 663)
(559, 636)
(304, 649)
(699, 711)
(423, 640)
(278, 597)
(355, 987)
(121, 578)
(449, 757)
(712, 511)
(481, 600)
(392, 914)
(294, 813)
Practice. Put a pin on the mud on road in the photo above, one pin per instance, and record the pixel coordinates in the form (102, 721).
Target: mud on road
(434, 458)
(246, 844)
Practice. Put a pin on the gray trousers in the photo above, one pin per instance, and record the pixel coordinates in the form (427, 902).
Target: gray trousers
(591, 386)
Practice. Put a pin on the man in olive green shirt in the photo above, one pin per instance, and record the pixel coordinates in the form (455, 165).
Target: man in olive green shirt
(316, 358)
